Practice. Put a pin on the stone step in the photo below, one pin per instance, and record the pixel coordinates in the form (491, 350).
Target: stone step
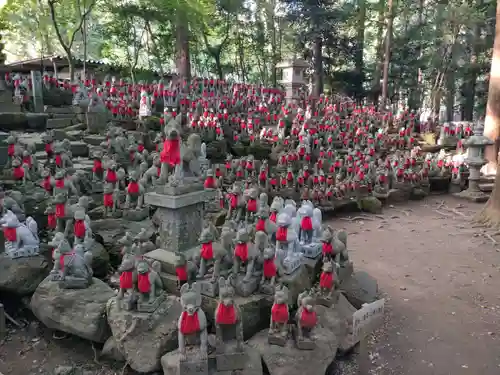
(169, 282)
(63, 115)
(78, 149)
(486, 187)
(59, 123)
(94, 140)
(52, 109)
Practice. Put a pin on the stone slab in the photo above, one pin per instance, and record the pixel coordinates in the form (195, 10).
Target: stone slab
(230, 358)
(59, 123)
(178, 201)
(52, 109)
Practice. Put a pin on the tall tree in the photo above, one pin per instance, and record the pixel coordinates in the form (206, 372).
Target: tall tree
(490, 214)
(387, 53)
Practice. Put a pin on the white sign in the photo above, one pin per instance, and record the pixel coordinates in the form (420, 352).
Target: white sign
(367, 319)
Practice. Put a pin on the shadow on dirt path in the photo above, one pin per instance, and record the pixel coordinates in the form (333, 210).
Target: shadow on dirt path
(441, 280)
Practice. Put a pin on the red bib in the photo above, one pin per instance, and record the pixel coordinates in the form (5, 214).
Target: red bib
(47, 186)
(97, 166)
(326, 280)
(282, 234)
(189, 323)
(60, 210)
(308, 318)
(269, 268)
(79, 228)
(60, 183)
(133, 187)
(126, 280)
(143, 283)
(279, 313)
(58, 160)
(61, 259)
(51, 221)
(181, 273)
(252, 205)
(111, 176)
(108, 200)
(327, 248)
(171, 153)
(209, 183)
(273, 216)
(11, 149)
(10, 234)
(261, 225)
(18, 173)
(207, 251)
(225, 314)
(241, 251)
(306, 223)
(233, 201)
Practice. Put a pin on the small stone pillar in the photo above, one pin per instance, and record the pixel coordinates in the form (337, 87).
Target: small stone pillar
(36, 82)
(293, 77)
(180, 216)
(475, 160)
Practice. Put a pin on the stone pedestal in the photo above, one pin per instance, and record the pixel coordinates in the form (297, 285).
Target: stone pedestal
(179, 215)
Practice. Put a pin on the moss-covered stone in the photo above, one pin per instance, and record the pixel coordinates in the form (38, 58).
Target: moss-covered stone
(370, 204)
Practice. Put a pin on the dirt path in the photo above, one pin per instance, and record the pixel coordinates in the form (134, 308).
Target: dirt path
(441, 284)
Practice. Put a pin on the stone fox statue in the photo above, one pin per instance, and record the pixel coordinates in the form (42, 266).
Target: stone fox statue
(192, 320)
(227, 313)
(21, 240)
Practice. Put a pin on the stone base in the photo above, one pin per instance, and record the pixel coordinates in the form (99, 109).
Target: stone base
(454, 188)
(230, 359)
(190, 185)
(193, 365)
(267, 288)
(97, 187)
(473, 196)
(70, 282)
(209, 288)
(312, 250)
(304, 343)
(136, 215)
(149, 307)
(14, 254)
(277, 339)
(127, 303)
(245, 289)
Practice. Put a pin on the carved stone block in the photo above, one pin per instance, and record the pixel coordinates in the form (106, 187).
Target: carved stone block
(193, 365)
(246, 288)
(127, 303)
(277, 338)
(136, 215)
(311, 250)
(229, 358)
(303, 343)
(150, 307)
(209, 288)
(266, 288)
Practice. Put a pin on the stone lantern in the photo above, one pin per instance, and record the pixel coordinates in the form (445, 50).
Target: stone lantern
(293, 77)
(475, 160)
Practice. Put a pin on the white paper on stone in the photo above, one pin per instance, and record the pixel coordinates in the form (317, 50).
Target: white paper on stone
(368, 318)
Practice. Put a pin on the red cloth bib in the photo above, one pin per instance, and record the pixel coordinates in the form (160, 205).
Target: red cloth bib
(51, 221)
(273, 216)
(308, 319)
(241, 251)
(326, 280)
(225, 314)
(61, 259)
(11, 149)
(27, 160)
(60, 210)
(60, 183)
(97, 166)
(252, 205)
(58, 160)
(233, 201)
(262, 176)
(108, 200)
(47, 186)
(269, 268)
(10, 234)
(207, 251)
(79, 228)
(279, 313)
(306, 223)
(126, 280)
(171, 153)
(189, 323)
(111, 176)
(143, 283)
(133, 187)
(181, 273)
(261, 225)
(18, 173)
(327, 248)
(282, 234)
(209, 183)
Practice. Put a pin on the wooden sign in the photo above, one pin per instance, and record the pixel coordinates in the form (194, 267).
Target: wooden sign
(367, 319)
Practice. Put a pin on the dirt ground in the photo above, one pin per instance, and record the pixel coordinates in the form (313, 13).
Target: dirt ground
(440, 279)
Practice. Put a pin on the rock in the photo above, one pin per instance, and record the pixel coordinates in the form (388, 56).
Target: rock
(297, 282)
(260, 150)
(110, 351)
(143, 338)
(81, 312)
(79, 149)
(290, 360)
(253, 366)
(59, 123)
(217, 150)
(22, 275)
(100, 260)
(20, 121)
(370, 204)
(220, 218)
(255, 311)
(360, 288)
(419, 193)
(64, 370)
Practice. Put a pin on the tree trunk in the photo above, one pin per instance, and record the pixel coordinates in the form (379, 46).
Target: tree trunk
(492, 121)
(182, 40)
(218, 65)
(375, 86)
(71, 66)
(318, 67)
(360, 39)
(387, 54)
(471, 76)
(414, 96)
